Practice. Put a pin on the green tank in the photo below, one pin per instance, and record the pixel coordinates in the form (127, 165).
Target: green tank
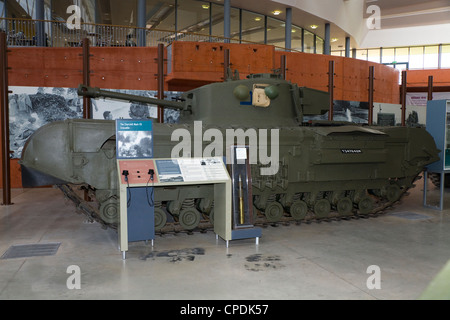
(320, 169)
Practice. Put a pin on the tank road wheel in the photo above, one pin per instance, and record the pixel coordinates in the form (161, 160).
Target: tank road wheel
(344, 207)
(274, 211)
(109, 211)
(160, 219)
(189, 218)
(298, 210)
(322, 208)
(365, 205)
(392, 192)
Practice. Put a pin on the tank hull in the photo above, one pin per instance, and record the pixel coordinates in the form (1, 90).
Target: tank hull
(321, 170)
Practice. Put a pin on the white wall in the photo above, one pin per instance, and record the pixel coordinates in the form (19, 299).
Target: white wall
(349, 15)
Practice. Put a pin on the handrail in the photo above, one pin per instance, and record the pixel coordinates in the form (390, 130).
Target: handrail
(22, 32)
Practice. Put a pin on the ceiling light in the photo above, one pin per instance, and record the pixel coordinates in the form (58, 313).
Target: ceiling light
(258, 19)
(313, 26)
(334, 39)
(276, 12)
(205, 6)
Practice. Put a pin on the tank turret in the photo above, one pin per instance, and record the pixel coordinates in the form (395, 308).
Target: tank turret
(262, 99)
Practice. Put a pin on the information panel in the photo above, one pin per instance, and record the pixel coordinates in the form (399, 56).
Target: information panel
(134, 139)
(191, 169)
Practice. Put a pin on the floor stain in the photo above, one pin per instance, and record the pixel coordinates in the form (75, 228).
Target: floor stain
(259, 262)
(176, 255)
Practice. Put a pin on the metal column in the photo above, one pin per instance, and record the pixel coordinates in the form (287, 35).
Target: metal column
(430, 88)
(226, 63)
(327, 40)
(347, 47)
(4, 104)
(403, 98)
(141, 22)
(227, 20)
(40, 29)
(283, 66)
(331, 88)
(371, 89)
(86, 78)
(288, 29)
(160, 61)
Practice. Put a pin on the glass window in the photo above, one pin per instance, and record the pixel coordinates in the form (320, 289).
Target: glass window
(416, 58)
(218, 25)
(339, 53)
(160, 14)
(431, 57)
(296, 38)
(234, 23)
(2, 15)
(401, 66)
(361, 54)
(319, 45)
(402, 55)
(275, 32)
(117, 12)
(21, 31)
(115, 16)
(309, 42)
(20, 9)
(193, 16)
(445, 58)
(252, 27)
(388, 55)
(160, 23)
(373, 55)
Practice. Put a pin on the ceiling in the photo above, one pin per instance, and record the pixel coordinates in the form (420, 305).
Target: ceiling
(408, 13)
(394, 14)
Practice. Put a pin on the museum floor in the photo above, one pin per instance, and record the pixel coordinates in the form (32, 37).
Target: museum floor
(327, 260)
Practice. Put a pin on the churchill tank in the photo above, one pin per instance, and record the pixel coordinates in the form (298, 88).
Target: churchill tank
(316, 169)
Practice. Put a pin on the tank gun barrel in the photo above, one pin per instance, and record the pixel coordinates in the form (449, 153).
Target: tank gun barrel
(84, 90)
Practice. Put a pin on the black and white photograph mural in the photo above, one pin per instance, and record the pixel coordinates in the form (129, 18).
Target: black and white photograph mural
(350, 111)
(384, 114)
(109, 109)
(32, 107)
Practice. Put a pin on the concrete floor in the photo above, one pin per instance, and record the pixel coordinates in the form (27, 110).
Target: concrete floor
(327, 260)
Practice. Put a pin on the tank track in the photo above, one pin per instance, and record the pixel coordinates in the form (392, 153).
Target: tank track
(87, 208)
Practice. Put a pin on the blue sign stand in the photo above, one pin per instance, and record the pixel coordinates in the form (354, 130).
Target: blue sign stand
(134, 141)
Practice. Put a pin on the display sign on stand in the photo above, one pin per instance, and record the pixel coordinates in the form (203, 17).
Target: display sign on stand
(139, 174)
(134, 149)
(241, 182)
(176, 172)
(438, 125)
